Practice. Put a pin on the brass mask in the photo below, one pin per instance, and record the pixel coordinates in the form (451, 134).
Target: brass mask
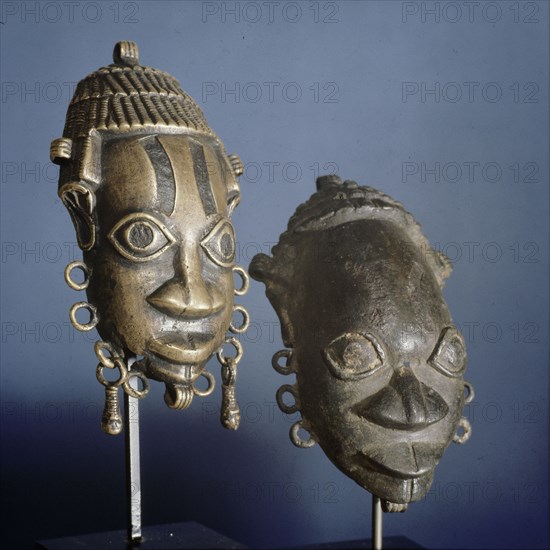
(379, 364)
(150, 190)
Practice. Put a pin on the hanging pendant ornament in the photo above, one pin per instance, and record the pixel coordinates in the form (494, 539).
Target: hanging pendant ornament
(379, 364)
(230, 415)
(150, 190)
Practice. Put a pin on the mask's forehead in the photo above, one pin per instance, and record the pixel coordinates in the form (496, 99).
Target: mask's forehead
(172, 174)
(197, 172)
(369, 276)
(128, 181)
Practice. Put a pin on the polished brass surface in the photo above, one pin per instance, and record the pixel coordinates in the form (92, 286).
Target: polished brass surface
(150, 190)
(379, 365)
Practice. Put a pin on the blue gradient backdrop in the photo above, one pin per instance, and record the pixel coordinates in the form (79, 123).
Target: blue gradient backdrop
(384, 92)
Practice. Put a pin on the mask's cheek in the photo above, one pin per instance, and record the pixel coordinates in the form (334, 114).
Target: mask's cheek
(328, 404)
(454, 395)
(119, 291)
(451, 390)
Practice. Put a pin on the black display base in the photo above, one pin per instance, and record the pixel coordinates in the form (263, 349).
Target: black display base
(158, 537)
(393, 543)
(192, 535)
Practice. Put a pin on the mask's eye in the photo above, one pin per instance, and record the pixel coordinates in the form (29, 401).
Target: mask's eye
(140, 237)
(449, 356)
(219, 244)
(353, 355)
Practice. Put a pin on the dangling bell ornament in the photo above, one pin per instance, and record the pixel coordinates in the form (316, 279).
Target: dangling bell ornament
(379, 364)
(150, 190)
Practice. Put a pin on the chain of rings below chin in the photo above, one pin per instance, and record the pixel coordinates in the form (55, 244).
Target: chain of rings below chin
(111, 422)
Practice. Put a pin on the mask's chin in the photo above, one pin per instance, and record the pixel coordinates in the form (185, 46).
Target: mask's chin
(395, 492)
(179, 379)
(398, 473)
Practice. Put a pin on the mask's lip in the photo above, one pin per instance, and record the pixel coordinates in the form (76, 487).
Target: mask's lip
(404, 459)
(187, 347)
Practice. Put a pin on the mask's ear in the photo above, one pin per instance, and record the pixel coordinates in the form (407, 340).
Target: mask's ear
(443, 267)
(80, 203)
(233, 200)
(260, 267)
(263, 269)
(233, 191)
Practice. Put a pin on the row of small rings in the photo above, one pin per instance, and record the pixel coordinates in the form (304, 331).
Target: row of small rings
(285, 369)
(297, 440)
(84, 327)
(245, 280)
(292, 390)
(87, 274)
(245, 323)
(465, 425)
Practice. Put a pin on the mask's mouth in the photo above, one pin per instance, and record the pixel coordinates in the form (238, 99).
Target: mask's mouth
(403, 460)
(184, 348)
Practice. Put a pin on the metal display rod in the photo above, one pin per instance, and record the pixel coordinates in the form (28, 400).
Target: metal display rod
(376, 523)
(133, 480)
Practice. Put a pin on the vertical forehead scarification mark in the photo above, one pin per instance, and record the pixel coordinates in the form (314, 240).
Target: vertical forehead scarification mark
(218, 178)
(166, 185)
(202, 178)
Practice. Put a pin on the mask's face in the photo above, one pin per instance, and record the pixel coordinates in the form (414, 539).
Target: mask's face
(379, 364)
(162, 267)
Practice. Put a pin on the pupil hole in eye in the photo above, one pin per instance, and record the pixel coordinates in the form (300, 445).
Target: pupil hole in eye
(450, 354)
(226, 245)
(141, 235)
(357, 354)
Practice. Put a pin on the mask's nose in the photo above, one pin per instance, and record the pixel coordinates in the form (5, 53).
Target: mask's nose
(404, 404)
(186, 294)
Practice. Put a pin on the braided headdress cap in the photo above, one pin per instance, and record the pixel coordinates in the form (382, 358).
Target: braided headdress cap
(122, 97)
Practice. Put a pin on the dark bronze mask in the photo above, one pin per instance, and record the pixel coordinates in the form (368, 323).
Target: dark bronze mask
(379, 365)
(150, 191)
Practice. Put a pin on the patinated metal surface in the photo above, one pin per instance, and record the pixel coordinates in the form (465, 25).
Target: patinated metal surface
(379, 364)
(150, 190)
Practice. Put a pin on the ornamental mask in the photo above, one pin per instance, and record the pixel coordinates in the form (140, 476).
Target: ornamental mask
(150, 190)
(379, 364)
